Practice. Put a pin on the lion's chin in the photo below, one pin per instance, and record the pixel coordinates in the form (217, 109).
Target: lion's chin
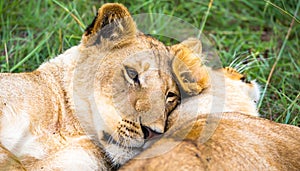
(120, 155)
(120, 150)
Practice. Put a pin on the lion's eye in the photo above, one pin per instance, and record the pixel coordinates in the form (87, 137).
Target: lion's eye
(133, 75)
(171, 97)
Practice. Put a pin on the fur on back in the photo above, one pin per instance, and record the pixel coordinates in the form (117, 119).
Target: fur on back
(240, 142)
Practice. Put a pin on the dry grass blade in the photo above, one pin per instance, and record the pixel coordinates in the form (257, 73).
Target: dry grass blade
(205, 18)
(6, 56)
(285, 12)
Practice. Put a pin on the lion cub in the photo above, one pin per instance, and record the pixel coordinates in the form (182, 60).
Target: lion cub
(92, 107)
(218, 128)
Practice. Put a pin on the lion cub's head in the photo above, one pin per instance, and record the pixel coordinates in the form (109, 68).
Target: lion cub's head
(125, 80)
(217, 90)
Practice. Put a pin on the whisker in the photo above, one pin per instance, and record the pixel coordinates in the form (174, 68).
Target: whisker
(253, 66)
(235, 59)
(242, 62)
(111, 137)
(246, 65)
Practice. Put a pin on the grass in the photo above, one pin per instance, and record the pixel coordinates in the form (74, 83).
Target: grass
(264, 34)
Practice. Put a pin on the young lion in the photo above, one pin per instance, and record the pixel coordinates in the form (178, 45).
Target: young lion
(215, 130)
(94, 106)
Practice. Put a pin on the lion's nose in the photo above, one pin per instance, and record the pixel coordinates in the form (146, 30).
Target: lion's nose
(142, 105)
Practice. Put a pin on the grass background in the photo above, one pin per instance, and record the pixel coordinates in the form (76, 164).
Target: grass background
(267, 32)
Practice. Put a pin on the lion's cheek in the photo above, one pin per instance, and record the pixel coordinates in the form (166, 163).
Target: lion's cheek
(105, 115)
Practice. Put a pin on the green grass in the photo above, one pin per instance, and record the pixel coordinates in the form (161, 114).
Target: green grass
(32, 32)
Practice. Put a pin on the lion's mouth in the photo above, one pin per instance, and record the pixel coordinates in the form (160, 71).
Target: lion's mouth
(149, 133)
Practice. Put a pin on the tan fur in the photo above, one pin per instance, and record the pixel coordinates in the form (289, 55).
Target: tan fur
(221, 90)
(8, 161)
(201, 136)
(233, 140)
(188, 66)
(217, 90)
(240, 142)
(228, 91)
(85, 109)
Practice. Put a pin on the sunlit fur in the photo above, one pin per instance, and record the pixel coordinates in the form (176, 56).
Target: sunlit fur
(82, 110)
(226, 93)
(212, 90)
(188, 66)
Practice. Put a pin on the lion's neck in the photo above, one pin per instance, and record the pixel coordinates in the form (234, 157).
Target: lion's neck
(64, 69)
(75, 73)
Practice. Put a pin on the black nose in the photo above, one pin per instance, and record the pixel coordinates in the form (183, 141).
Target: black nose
(149, 133)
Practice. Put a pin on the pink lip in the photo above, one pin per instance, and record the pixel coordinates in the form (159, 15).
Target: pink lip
(152, 134)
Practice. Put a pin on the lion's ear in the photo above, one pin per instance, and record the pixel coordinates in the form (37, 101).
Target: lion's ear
(193, 44)
(188, 66)
(113, 22)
